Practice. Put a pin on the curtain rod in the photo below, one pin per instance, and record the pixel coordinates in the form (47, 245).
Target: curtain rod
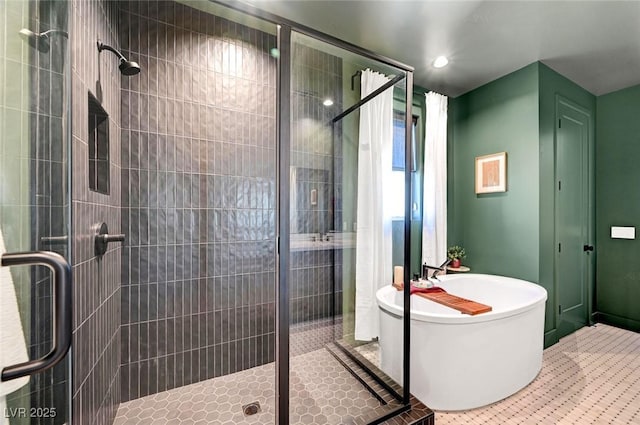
(353, 77)
(370, 96)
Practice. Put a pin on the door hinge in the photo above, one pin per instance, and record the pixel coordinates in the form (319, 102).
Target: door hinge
(559, 309)
(559, 123)
(559, 247)
(559, 185)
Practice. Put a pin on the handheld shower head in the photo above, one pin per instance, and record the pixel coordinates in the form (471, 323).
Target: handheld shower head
(126, 66)
(41, 41)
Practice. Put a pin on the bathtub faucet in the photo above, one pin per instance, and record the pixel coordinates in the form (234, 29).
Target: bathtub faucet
(436, 270)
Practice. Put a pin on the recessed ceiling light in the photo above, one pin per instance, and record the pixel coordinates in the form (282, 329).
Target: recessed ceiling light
(327, 102)
(440, 62)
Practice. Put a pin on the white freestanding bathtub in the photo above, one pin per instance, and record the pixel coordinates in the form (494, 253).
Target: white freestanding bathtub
(459, 361)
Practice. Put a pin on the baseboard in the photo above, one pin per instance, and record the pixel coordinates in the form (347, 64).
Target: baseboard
(617, 321)
(550, 338)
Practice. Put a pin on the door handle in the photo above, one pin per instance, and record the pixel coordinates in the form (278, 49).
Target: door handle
(54, 240)
(62, 318)
(586, 248)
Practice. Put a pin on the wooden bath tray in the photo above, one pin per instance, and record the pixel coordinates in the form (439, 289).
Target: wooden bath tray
(463, 305)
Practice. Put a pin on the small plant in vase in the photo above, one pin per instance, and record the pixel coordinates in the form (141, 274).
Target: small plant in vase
(456, 254)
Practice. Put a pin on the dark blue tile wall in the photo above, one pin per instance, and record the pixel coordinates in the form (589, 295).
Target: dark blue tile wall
(198, 196)
(96, 281)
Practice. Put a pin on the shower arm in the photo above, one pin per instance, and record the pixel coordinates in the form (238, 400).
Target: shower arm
(102, 46)
(53, 32)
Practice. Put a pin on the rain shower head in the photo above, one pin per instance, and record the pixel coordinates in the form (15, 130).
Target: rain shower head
(127, 67)
(40, 41)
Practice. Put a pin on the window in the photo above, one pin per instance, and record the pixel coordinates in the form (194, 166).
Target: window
(397, 179)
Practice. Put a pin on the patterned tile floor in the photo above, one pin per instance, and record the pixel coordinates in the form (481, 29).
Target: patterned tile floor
(322, 391)
(313, 335)
(589, 377)
(370, 352)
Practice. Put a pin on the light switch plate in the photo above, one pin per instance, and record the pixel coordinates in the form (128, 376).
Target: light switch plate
(618, 232)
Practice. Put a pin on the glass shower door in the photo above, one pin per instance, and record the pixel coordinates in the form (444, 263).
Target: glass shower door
(35, 292)
(336, 263)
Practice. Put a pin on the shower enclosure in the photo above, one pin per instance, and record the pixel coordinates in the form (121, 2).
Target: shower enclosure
(231, 170)
(318, 195)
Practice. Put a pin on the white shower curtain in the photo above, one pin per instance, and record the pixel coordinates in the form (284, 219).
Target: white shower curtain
(434, 222)
(373, 237)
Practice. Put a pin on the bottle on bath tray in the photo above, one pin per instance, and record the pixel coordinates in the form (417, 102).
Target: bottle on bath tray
(419, 282)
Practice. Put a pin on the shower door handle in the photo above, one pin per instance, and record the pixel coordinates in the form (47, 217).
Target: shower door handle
(54, 240)
(62, 323)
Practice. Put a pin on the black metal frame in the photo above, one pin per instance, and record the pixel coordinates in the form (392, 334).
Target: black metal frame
(373, 375)
(407, 237)
(283, 225)
(284, 30)
(355, 375)
(369, 97)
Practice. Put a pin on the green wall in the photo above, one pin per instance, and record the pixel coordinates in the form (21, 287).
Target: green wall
(552, 85)
(499, 231)
(618, 204)
(510, 233)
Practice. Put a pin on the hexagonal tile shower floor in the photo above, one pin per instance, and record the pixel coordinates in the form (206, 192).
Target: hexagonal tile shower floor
(322, 392)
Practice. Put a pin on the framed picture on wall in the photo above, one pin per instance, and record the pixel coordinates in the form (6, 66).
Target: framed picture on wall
(491, 173)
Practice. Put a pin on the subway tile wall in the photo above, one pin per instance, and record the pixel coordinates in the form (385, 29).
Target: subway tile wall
(198, 196)
(96, 294)
(316, 76)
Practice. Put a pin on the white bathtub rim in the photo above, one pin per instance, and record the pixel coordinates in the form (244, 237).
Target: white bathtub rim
(455, 317)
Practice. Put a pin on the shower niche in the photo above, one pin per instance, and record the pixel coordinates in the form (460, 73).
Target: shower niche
(98, 147)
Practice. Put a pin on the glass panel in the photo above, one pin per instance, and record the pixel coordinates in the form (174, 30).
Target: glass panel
(334, 317)
(34, 199)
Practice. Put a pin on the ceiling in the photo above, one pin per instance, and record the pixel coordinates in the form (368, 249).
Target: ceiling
(593, 43)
